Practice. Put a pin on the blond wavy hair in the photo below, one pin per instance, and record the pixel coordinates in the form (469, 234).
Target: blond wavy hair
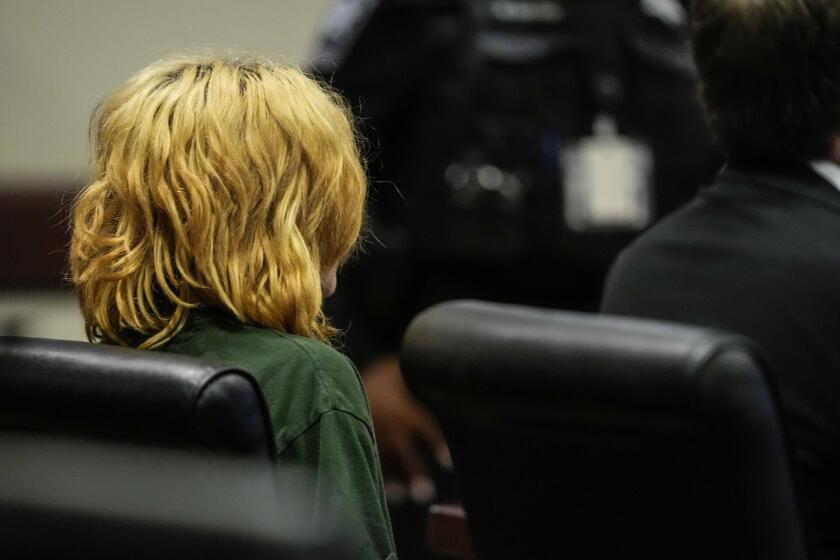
(219, 181)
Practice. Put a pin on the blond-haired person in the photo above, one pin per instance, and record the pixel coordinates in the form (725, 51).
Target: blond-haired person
(226, 193)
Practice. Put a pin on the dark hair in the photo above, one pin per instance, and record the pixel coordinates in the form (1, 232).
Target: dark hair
(770, 74)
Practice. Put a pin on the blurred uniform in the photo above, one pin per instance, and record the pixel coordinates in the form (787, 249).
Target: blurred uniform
(515, 147)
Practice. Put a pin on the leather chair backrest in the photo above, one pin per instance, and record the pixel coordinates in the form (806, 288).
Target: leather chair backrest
(89, 390)
(583, 436)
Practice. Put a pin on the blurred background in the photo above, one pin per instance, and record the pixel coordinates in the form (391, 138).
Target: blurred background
(487, 126)
(58, 58)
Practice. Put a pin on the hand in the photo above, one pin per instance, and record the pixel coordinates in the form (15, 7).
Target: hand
(405, 432)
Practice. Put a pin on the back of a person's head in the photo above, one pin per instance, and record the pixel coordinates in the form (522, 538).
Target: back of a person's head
(219, 181)
(770, 74)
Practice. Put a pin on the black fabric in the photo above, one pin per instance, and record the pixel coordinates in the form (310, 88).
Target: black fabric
(583, 436)
(758, 253)
(83, 389)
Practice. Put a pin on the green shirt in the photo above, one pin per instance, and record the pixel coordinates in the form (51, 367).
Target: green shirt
(320, 416)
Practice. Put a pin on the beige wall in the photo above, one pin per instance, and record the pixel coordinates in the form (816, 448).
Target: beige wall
(41, 314)
(59, 57)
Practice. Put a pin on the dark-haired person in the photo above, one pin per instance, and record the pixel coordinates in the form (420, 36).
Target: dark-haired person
(758, 252)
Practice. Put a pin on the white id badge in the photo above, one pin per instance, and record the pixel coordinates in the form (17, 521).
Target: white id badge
(607, 183)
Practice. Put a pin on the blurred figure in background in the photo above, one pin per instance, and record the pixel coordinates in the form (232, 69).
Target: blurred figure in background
(518, 146)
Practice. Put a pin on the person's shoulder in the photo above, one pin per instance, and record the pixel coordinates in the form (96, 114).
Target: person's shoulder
(669, 229)
(324, 357)
(276, 358)
(653, 254)
(336, 375)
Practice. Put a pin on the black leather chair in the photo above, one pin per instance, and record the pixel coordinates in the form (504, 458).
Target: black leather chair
(113, 452)
(75, 388)
(583, 436)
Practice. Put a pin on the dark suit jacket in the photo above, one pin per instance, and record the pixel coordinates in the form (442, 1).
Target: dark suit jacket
(758, 253)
